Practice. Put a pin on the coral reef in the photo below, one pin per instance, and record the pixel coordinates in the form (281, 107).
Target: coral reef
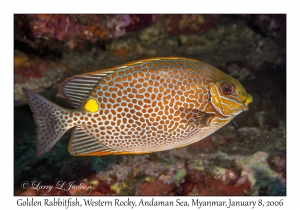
(57, 31)
(149, 175)
(246, 157)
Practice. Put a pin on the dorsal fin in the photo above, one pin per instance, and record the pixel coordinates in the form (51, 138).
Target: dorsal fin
(78, 87)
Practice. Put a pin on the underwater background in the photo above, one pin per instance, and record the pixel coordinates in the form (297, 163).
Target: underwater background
(246, 157)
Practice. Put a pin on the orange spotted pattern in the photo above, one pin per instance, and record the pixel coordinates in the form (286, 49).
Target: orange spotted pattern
(140, 106)
(150, 105)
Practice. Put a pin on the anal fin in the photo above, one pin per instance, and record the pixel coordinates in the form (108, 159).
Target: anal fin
(83, 144)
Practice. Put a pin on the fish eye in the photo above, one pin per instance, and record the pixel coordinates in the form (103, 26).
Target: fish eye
(227, 88)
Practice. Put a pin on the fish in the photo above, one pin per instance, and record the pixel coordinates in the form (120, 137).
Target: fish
(144, 106)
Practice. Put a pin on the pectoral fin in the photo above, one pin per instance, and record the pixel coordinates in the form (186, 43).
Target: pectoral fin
(195, 116)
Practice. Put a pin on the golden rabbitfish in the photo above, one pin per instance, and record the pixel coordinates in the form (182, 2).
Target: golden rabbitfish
(140, 107)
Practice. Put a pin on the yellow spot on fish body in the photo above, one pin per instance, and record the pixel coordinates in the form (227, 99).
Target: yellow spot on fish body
(91, 105)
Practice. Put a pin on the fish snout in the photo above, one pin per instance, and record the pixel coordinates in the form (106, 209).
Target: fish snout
(248, 100)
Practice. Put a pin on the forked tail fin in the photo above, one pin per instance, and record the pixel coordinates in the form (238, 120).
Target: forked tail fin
(48, 119)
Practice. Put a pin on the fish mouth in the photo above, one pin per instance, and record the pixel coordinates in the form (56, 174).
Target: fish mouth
(248, 100)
